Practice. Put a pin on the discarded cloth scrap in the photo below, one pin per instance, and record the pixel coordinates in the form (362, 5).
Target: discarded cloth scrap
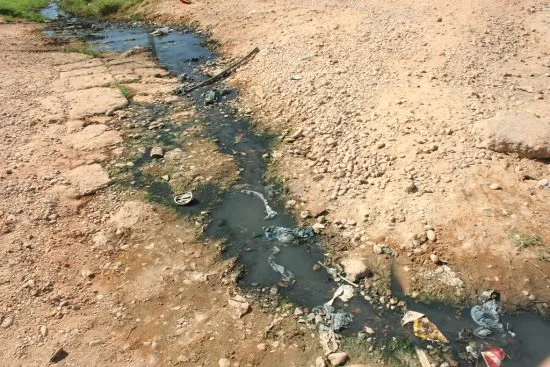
(269, 211)
(286, 274)
(288, 235)
(487, 314)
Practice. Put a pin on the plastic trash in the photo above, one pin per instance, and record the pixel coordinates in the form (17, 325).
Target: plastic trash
(288, 235)
(183, 199)
(423, 327)
(482, 332)
(344, 292)
(493, 357)
(487, 315)
(426, 330)
(410, 316)
(269, 211)
(286, 274)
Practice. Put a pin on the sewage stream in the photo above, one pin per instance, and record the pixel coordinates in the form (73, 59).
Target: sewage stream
(238, 217)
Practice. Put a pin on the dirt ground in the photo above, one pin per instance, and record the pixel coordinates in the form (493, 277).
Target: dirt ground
(88, 264)
(375, 104)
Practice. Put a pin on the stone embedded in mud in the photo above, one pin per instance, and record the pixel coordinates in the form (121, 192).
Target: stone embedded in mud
(94, 101)
(338, 359)
(224, 362)
(239, 304)
(354, 268)
(88, 179)
(516, 132)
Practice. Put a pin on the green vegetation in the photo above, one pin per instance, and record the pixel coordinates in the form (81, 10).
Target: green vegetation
(523, 240)
(124, 90)
(95, 8)
(22, 9)
(87, 50)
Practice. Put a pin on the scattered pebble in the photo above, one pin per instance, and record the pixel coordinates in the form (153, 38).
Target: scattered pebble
(495, 186)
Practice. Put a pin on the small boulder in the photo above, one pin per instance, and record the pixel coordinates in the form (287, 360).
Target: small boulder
(354, 268)
(338, 359)
(516, 132)
(224, 362)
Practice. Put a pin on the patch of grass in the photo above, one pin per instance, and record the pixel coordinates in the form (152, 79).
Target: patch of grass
(87, 50)
(124, 90)
(28, 9)
(523, 240)
(96, 8)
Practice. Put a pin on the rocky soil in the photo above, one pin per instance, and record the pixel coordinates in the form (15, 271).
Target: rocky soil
(382, 111)
(92, 273)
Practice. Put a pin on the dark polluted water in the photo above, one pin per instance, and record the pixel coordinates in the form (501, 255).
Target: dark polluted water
(238, 217)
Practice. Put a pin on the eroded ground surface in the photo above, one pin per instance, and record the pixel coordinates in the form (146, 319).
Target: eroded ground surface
(376, 104)
(88, 263)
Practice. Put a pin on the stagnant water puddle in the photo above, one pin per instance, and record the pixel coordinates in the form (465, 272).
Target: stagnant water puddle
(238, 217)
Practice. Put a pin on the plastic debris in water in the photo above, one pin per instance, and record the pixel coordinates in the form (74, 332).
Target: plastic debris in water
(344, 292)
(286, 274)
(288, 235)
(269, 211)
(423, 327)
(487, 315)
(493, 357)
(426, 330)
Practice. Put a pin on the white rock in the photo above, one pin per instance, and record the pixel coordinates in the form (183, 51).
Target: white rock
(495, 186)
(377, 249)
(354, 268)
(430, 234)
(320, 362)
(516, 132)
(338, 359)
(434, 258)
(224, 362)
(6, 323)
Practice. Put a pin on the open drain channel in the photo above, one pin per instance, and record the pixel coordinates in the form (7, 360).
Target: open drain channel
(239, 216)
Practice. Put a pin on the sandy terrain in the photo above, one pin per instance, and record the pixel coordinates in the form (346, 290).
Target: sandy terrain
(376, 104)
(88, 265)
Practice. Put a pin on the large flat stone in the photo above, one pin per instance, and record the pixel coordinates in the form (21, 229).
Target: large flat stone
(94, 101)
(516, 132)
(92, 137)
(88, 179)
(90, 80)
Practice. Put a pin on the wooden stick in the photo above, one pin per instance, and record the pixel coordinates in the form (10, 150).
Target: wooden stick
(340, 276)
(224, 72)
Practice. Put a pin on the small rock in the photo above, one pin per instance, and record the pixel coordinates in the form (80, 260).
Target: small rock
(430, 234)
(338, 359)
(354, 268)
(224, 362)
(532, 297)
(157, 152)
(43, 331)
(320, 362)
(434, 258)
(6, 323)
(316, 267)
(261, 346)
(304, 214)
(240, 305)
(290, 203)
(377, 249)
(495, 186)
(369, 330)
(445, 364)
(298, 312)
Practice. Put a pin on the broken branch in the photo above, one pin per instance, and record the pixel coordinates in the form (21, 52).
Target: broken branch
(224, 72)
